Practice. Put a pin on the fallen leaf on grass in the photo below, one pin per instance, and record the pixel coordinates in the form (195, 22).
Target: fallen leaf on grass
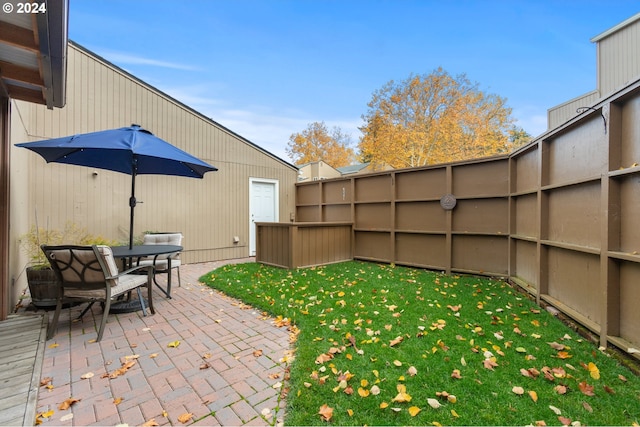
(554, 345)
(412, 371)
(565, 421)
(533, 395)
(67, 403)
(560, 389)
(593, 371)
(185, 418)
(518, 390)
(555, 410)
(326, 412)
(586, 389)
(456, 374)
(433, 403)
(414, 410)
(586, 406)
(489, 364)
(396, 341)
(609, 390)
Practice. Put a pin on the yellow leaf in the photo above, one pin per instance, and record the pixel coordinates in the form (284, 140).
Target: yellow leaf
(402, 398)
(54, 345)
(153, 355)
(173, 344)
(117, 400)
(350, 412)
(363, 392)
(594, 371)
(454, 413)
(384, 405)
(452, 399)
(185, 418)
(414, 410)
(47, 414)
(67, 403)
(364, 383)
(349, 356)
(533, 395)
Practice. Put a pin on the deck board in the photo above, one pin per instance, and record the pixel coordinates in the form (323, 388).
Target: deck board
(22, 343)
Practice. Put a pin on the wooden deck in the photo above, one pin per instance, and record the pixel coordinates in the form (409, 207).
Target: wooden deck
(22, 344)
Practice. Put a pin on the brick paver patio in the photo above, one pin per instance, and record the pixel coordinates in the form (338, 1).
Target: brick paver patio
(223, 372)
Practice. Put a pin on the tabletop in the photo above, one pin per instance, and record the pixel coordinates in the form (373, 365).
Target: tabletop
(143, 250)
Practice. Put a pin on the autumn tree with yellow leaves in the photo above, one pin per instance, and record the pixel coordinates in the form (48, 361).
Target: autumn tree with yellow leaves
(435, 118)
(317, 142)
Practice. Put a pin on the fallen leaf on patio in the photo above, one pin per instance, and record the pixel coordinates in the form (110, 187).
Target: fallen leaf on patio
(151, 423)
(326, 412)
(146, 329)
(87, 376)
(46, 414)
(433, 403)
(518, 390)
(132, 356)
(185, 418)
(414, 410)
(120, 371)
(165, 413)
(153, 355)
(67, 403)
(207, 356)
(257, 353)
(173, 344)
(274, 376)
(66, 417)
(45, 381)
(117, 400)
(586, 389)
(54, 345)
(204, 366)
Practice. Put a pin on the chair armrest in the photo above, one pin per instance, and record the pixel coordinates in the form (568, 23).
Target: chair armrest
(136, 268)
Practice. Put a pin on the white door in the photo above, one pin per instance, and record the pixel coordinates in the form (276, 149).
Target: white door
(263, 206)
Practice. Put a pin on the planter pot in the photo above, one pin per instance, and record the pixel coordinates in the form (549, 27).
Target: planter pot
(43, 287)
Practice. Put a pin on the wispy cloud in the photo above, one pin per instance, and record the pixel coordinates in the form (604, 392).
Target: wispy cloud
(123, 58)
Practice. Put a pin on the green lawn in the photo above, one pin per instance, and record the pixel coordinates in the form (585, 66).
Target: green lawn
(388, 345)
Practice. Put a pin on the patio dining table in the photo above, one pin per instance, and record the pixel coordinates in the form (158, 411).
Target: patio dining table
(130, 255)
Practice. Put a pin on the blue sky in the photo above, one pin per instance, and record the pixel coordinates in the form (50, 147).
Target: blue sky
(266, 69)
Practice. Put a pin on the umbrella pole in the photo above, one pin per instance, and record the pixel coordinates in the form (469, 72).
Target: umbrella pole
(132, 200)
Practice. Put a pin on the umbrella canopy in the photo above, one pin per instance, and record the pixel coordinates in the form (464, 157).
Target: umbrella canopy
(131, 150)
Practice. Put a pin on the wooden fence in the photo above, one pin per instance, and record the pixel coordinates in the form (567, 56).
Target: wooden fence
(293, 245)
(558, 217)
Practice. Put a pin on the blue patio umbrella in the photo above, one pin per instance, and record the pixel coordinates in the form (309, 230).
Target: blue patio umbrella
(131, 150)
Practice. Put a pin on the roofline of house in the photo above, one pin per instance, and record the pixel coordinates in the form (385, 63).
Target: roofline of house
(616, 28)
(182, 104)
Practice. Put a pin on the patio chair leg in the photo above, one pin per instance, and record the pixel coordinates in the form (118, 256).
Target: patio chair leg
(105, 313)
(179, 281)
(54, 322)
(144, 310)
(85, 310)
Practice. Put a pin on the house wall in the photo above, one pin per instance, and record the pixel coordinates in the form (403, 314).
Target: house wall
(557, 217)
(617, 66)
(209, 211)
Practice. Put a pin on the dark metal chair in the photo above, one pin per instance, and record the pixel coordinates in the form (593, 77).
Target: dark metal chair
(89, 274)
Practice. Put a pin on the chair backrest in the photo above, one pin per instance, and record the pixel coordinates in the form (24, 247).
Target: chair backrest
(82, 267)
(163, 239)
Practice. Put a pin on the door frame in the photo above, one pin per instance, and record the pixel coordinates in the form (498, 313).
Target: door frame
(276, 208)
